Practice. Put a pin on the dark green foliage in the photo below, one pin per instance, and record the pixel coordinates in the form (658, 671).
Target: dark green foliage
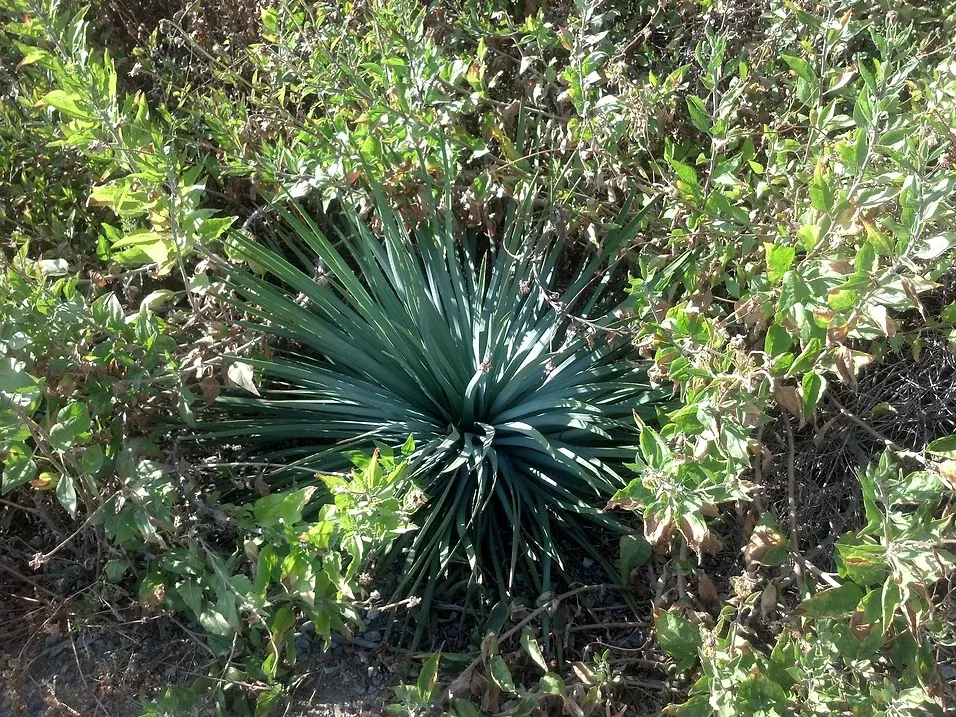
(520, 398)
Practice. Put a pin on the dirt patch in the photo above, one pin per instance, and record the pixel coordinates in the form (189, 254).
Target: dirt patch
(908, 400)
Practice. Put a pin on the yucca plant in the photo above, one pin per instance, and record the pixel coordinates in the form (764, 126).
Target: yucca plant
(520, 396)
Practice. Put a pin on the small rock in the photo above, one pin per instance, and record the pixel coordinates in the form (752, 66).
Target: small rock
(373, 636)
(51, 640)
(302, 644)
(308, 627)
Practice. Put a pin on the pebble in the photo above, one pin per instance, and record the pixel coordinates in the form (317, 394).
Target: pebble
(373, 636)
(302, 645)
(308, 627)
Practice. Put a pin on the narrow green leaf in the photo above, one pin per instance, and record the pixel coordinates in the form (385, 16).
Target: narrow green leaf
(531, 646)
(813, 385)
(428, 677)
(698, 113)
(501, 675)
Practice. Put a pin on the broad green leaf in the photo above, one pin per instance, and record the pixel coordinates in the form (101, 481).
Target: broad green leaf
(945, 447)
(66, 494)
(760, 696)
(267, 702)
(285, 507)
(192, 594)
(696, 706)
(654, 449)
(464, 708)
(779, 260)
(807, 358)
(68, 103)
(284, 620)
(115, 569)
(73, 424)
(935, 246)
(800, 66)
(635, 552)
(143, 248)
(685, 172)
(862, 562)
(917, 488)
(552, 684)
(18, 386)
(778, 340)
(19, 468)
(832, 603)
(93, 459)
(678, 637)
(793, 291)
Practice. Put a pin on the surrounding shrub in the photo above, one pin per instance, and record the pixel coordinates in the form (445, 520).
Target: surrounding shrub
(789, 291)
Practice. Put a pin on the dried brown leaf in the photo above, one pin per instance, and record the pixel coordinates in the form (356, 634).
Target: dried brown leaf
(706, 590)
